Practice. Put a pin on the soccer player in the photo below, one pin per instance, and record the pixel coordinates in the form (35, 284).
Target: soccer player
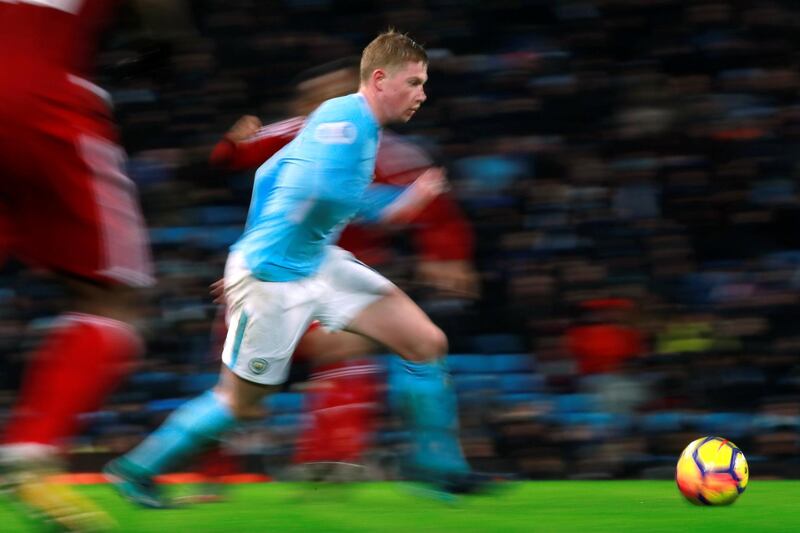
(344, 391)
(66, 206)
(283, 273)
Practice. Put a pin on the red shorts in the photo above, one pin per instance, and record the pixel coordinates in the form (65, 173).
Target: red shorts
(65, 201)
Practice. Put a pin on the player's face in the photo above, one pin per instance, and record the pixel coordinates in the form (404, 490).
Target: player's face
(403, 91)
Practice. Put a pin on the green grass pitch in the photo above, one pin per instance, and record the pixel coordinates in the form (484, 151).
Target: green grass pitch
(546, 506)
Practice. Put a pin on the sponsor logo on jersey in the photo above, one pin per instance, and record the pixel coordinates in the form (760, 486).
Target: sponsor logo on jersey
(336, 133)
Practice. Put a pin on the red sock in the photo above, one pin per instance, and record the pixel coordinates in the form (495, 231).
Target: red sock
(342, 409)
(216, 463)
(79, 363)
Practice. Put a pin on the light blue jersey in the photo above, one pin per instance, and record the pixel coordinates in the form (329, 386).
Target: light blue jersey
(306, 193)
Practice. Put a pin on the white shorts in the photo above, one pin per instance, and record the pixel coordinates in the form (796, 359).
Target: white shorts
(267, 319)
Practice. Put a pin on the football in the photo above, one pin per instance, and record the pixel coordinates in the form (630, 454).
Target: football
(712, 471)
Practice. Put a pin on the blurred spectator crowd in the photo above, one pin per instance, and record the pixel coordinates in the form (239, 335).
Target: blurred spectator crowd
(631, 172)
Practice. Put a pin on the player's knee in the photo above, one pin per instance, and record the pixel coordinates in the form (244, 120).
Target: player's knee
(431, 345)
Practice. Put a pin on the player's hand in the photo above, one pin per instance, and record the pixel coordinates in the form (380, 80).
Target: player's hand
(419, 194)
(430, 184)
(451, 278)
(245, 127)
(217, 290)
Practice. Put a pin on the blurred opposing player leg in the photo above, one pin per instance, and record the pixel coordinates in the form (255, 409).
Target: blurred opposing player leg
(92, 238)
(341, 405)
(214, 465)
(80, 362)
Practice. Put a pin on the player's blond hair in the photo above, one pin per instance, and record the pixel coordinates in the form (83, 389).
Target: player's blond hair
(390, 50)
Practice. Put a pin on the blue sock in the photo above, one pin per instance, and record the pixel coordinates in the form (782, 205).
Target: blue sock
(427, 402)
(190, 428)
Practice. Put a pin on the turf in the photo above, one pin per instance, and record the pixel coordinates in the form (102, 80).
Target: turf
(547, 506)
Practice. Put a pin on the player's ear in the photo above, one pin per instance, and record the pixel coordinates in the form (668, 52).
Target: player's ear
(378, 78)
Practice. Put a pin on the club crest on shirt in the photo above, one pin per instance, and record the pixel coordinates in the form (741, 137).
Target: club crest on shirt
(258, 366)
(336, 133)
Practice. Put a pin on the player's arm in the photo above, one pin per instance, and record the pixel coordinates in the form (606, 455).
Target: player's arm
(445, 242)
(440, 230)
(414, 199)
(441, 234)
(248, 144)
(391, 204)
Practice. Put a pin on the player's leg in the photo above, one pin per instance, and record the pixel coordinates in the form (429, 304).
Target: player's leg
(367, 304)
(216, 463)
(340, 401)
(94, 239)
(420, 384)
(190, 429)
(263, 332)
(396, 322)
(80, 361)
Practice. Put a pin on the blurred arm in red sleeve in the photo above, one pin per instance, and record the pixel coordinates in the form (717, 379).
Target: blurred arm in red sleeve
(248, 144)
(440, 232)
(444, 239)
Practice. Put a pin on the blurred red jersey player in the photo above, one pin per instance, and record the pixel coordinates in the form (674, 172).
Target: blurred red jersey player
(67, 206)
(344, 391)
